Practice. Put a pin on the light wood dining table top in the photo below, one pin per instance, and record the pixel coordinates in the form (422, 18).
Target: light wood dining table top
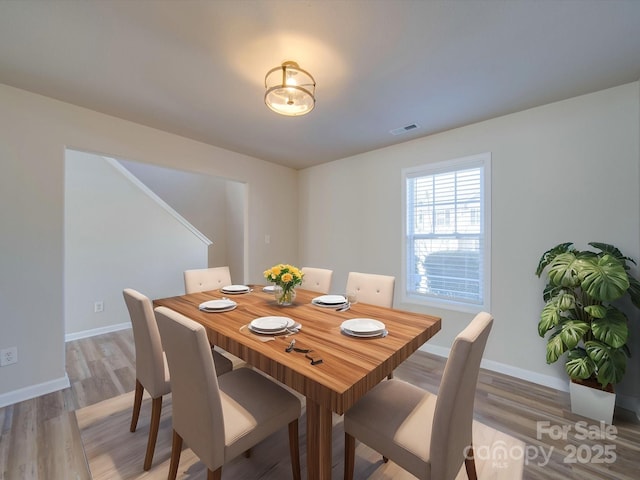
(350, 366)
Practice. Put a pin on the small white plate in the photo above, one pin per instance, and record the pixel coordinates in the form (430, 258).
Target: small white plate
(269, 289)
(271, 324)
(361, 335)
(235, 289)
(363, 326)
(329, 301)
(216, 305)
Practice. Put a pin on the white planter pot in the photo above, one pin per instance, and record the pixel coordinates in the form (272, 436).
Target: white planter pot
(592, 402)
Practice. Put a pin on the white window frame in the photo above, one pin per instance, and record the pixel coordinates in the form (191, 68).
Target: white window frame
(483, 161)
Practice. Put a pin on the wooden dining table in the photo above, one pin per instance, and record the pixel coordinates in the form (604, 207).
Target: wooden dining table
(350, 366)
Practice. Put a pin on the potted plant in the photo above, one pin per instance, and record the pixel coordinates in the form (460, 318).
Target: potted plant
(583, 321)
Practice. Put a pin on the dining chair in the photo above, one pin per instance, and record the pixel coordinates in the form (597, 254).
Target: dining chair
(152, 373)
(371, 288)
(428, 435)
(316, 279)
(220, 417)
(204, 279)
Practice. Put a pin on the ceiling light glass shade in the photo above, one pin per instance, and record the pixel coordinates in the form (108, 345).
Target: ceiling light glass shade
(290, 90)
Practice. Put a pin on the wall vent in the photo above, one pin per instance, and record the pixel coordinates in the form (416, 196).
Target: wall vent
(405, 129)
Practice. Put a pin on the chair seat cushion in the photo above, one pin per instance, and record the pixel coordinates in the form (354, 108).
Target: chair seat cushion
(394, 419)
(254, 407)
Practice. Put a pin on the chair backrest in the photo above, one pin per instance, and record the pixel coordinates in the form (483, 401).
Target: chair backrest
(371, 288)
(196, 403)
(204, 279)
(453, 416)
(317, 279)
(149, 355)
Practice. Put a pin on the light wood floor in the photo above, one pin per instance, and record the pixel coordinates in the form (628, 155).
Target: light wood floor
(40, 437)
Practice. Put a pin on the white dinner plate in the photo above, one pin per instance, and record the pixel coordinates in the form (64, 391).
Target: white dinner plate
(329, 300)
(363, 326)
(269, 288)
(362, 335)
(235, 289)
(271, 324)
(218, 305)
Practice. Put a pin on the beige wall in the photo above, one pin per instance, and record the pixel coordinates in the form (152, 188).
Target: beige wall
(567, 171)
(34, 132)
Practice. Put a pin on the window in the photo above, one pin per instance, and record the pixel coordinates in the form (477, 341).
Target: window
(446, 220)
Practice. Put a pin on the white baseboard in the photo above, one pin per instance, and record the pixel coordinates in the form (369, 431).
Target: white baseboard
(96, 331)
(521, 373)
(33, 391)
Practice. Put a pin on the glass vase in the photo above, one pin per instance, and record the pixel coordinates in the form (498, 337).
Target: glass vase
(284, 296)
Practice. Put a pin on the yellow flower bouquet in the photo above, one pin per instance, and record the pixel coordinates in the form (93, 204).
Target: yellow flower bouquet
(285, 278)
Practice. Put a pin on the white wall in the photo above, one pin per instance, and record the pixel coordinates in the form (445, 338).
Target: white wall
(116, 237)
(34, 132)
(567, 171)
(203, 201)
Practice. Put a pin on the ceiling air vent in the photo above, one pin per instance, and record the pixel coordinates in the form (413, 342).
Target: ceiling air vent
(405, 129)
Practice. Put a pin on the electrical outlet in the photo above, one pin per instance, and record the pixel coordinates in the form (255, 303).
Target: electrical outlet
(8, 356)
(98, 306)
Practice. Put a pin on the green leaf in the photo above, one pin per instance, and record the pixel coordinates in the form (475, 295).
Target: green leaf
(596, 311)
(634, 291)
(612, 329)
(562, 270)
(603, 279)
(572, 331)
(550, 317)
(613, 251)
(579, 365)
(555, 347)
(610, 362)
(548, 256)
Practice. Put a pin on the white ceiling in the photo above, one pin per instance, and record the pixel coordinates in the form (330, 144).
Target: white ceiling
(196, 68)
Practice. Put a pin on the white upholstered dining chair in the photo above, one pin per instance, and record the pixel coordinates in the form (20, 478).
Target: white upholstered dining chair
(316, 279)
(220, 417)
(372, 288)
(152, 373)
(427, 435)
(205, 279)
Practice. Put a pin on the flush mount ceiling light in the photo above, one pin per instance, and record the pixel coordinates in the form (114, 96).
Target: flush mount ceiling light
(290, 90)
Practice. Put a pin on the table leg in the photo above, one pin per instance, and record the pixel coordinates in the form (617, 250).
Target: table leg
(319, 425)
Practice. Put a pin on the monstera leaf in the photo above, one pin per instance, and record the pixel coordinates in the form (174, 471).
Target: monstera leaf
(562, 270)
(612, 329)
(602, 278)
(610, 362)
(579, 365)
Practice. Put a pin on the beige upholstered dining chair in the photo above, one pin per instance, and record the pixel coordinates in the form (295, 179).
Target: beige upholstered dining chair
(220, 417)
(205, 279)
(371, 288)
(152, 373)
(427, 435)
(317, 279)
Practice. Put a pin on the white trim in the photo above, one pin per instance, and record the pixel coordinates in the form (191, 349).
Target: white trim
(96, 331)
(133, 179)
(522, 374)
(34, 391)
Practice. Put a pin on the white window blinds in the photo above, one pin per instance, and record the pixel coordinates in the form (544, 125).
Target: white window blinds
(445, 231)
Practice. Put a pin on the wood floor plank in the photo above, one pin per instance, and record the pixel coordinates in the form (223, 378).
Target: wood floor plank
(42, 434)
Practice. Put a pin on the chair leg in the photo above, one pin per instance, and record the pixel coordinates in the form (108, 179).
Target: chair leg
(294, 449)
(470, 465)
(349, 456)
(137, 402)
(154, 426)
(176, 450)
(390, 376)
(214, 475)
